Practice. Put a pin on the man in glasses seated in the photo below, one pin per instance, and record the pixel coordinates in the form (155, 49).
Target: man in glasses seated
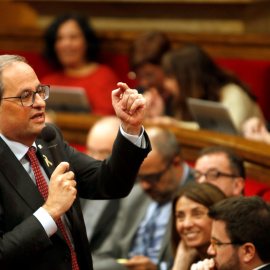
(221, 167)
(240, 235)
(141, 235)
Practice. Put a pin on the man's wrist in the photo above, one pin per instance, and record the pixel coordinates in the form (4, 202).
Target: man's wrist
(46, 221)
(136, 139)
(132, 130)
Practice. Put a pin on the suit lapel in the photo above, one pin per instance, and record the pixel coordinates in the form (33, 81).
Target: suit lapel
(165, 241)
(46, 161)
(17, 176)
(44, 157)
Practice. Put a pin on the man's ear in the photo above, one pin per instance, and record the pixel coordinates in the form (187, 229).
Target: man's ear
(247, 252)
(177, 161)
(238, 186)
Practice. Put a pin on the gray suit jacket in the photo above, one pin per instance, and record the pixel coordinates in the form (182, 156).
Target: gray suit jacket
(99, 218)
(132, 212)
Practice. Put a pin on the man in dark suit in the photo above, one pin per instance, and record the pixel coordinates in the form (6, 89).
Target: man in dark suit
(240, 235)
(141, 235)
(30, 237)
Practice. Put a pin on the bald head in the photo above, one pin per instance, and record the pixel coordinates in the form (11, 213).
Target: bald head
(101, 137)
(164, 142)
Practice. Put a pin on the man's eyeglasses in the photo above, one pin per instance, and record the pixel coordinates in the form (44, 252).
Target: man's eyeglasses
(154, 177)
(28, 97)
(214, 243)
(211, 175)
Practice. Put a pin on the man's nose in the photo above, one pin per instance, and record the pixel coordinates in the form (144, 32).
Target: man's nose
(39, 101)
(211, 250)
(202, 179)
(145, 185)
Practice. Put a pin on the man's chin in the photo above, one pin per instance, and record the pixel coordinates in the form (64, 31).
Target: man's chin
(216, 264)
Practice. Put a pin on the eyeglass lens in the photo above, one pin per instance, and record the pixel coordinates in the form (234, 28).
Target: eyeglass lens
(28, 98)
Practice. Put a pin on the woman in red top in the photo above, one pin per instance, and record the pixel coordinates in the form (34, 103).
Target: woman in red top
(72, 49)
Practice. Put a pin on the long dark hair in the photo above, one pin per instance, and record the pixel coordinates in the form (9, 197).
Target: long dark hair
(205, 194)
(198, 76)
(92, 52)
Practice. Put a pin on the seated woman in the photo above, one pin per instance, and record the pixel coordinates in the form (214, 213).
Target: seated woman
(191, 227)
(190, 72)
(72, 49)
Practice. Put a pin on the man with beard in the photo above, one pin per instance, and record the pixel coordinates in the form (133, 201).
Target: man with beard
(141, 234)
(240, 235)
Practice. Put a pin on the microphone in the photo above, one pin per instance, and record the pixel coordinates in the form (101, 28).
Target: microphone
(48, 134)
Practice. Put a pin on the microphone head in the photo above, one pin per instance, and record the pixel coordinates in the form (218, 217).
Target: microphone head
(48, 134)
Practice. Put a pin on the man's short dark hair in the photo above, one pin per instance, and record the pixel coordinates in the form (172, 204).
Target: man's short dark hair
(236, 162)
(247, 220)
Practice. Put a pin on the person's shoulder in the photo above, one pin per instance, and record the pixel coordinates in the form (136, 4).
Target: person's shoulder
(231, 87)
(106, 70)
(233, 91)
(137, 196)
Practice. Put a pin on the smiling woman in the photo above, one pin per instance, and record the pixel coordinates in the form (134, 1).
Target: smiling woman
(72, 50)
(191, 229)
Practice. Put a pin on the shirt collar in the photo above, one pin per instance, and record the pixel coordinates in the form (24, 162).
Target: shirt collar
(18, 149)
(261, 266)
(185, 174)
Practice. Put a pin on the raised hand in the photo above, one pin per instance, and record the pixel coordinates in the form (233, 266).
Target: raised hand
(130, 107)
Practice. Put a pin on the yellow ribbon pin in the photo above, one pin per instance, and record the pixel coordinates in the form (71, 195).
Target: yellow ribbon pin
(47, 161)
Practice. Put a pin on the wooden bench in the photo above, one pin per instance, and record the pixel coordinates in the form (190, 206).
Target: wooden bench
(256, 155)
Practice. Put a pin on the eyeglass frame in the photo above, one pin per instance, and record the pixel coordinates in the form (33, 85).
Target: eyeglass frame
(34, 95)
(156, 176)
(217, 176)
(214, 243)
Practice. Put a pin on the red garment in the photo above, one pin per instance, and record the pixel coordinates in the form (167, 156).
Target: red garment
(98, 86)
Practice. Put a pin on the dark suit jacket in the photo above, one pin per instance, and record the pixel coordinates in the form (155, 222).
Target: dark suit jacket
(24, 243)
(266, 267)
(132, 211)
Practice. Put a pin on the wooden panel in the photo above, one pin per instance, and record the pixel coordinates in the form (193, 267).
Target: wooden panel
(249, 46)
(256, 155)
